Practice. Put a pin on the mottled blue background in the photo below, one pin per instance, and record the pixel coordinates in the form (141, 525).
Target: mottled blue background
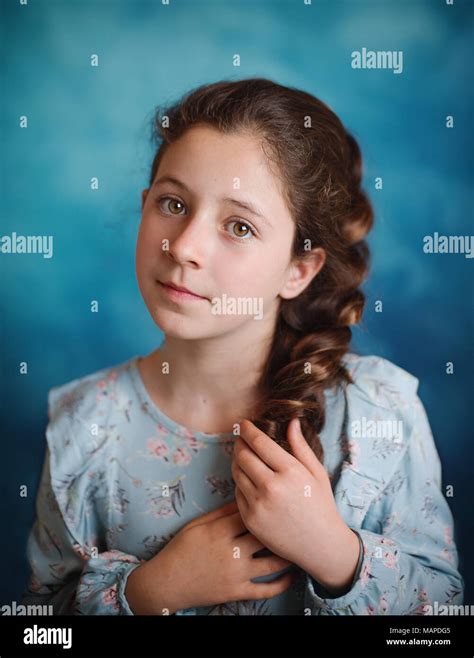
(86, 122)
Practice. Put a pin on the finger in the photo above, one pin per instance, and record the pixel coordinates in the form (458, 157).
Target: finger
(250, 544)
(268, 450)
(251, 464)
(268, 590)
(266, 566)
(229, 508)
(244, 483)
(241, 500)
(301, 449)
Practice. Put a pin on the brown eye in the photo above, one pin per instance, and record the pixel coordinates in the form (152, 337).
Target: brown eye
(247, 230)
(175, 206)
(170, 204)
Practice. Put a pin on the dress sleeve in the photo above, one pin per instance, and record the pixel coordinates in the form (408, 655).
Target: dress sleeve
(410, 559)
(66, 572)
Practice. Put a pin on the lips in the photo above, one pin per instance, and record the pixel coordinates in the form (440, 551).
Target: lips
(181, 289)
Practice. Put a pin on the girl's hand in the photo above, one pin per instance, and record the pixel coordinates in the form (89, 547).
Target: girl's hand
(286, 501)
(209, 561)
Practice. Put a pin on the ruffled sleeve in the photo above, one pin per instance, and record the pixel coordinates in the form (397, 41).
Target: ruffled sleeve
(390, 492)
(71, 568)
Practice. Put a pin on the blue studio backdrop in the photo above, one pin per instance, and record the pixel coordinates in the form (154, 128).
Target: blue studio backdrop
(88, 121)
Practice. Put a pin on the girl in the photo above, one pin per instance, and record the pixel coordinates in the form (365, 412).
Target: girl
(251, 465)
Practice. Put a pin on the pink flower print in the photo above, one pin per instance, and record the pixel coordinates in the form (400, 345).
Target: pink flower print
(227, 448)
(354, 447)
(109, 597)
(35, 584)
(386, 540)
(365, 574)
(390, 560)
(161, 429)
(423, 595)
(164, 512)
(389, 521)
(193, 443)
(354, 450)
(102, 386)
(116, 555)
(370, 610)
(181, 456)
(447, 555)
(137, 483)
(158, 448)
(383, 605)
(106, 387)
(81, 551)
(421, 609)
(448, 535)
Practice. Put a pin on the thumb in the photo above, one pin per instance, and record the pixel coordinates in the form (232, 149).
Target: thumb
(300, 448)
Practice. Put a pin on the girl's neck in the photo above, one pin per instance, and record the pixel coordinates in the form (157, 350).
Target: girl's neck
(205, 387)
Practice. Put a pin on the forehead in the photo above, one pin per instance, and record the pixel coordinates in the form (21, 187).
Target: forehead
(211, 162)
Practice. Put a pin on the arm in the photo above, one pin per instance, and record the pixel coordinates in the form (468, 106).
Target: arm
(62, 572)
(410, 559)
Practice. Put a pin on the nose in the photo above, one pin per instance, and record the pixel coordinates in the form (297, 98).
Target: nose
(190, 242)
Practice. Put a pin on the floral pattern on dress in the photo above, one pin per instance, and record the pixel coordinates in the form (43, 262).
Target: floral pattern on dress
(112, 498)
(223, 486)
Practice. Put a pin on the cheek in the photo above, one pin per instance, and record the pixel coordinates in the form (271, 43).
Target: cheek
(259, 276)
(148, 245)
(241, 275)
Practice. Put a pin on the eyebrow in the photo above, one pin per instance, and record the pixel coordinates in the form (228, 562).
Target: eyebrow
(246, 205)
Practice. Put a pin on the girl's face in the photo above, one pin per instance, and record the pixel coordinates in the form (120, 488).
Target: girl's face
(197, 232)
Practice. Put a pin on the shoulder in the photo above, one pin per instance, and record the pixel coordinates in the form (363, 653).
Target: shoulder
(81, 417)
(385, 418)
(380, 381)
(83, 396)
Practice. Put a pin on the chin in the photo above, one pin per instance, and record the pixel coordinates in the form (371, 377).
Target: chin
(177, 325)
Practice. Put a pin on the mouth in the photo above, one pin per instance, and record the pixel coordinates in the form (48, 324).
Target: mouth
(180, 294)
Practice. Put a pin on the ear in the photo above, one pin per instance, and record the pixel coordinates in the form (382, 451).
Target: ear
(302, 271)
(144, 196)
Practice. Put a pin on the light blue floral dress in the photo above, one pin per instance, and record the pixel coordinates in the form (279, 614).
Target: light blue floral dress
(101, 508)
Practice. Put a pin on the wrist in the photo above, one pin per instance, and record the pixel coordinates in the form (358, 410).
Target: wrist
(145, 596)
(336, 576)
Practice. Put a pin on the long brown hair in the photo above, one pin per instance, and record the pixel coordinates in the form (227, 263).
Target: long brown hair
(320, 166)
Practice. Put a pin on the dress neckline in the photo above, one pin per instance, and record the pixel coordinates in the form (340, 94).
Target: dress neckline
(176, 428)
